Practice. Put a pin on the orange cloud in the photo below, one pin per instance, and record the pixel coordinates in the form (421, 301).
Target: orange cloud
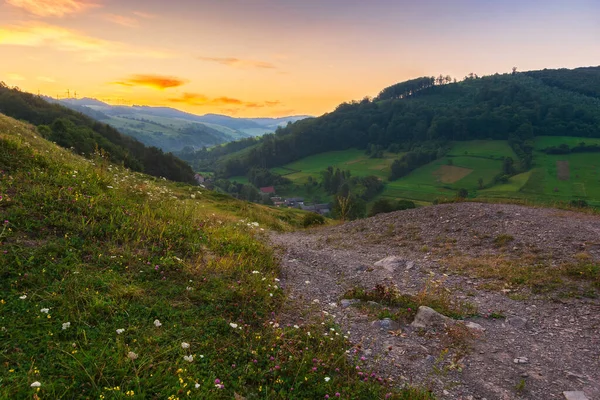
(39, 34)
(153, 81)
(145, 15)
(122, 20)
(196, 99)
(239, 63)
(52, 8)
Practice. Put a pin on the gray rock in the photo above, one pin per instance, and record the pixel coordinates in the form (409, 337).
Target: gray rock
(387, 324)
(390, 263)
(517, 322)
(348, 302)
(575, 396)
(429, 318)
(521, 360)
(474, 326)
(373, 303)
(410, 265)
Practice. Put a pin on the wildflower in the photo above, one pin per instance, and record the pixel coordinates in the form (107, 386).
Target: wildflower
(189, 358)
(36, 384)
(307, 282)
(277, 280)
(337, 394)
(119, 331)
(132, 356)
(296, 326)
(23, 297)
(270, 294)
(45, 310)
(197, 385)
(185, 345)
(66, 325)
(327, 379)
(234, 326)
(255, 272)
(157, 323)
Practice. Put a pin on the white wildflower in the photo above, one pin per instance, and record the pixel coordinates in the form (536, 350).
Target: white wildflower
(23, 297)
(119, 331)
(66, 325)
(197, 386)
(157, 323)
(189, 358)
(327, 379)
(296, 326)
(234, 326)
(307, 282)
(276, 279)
(255, 272)
(36, 384)
(185, 345)
(132, 356)
(45, 310)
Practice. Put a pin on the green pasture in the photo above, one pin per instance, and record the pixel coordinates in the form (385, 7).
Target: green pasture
(541, 142)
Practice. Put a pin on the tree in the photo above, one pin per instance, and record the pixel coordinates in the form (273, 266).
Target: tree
(480, 182)
(462, 193)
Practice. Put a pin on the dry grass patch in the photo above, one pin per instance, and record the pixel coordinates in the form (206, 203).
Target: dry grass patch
(581, 277)
(451, 174)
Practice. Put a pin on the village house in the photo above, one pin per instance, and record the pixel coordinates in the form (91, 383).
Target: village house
(267, 190)
(318, 208)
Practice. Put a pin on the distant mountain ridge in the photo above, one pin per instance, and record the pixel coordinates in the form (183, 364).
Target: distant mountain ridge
(173, 130)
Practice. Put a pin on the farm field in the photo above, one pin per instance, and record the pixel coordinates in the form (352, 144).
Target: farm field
(354, 160)
(463, 167)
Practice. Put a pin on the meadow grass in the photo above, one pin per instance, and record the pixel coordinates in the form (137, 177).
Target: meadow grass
(118, 285)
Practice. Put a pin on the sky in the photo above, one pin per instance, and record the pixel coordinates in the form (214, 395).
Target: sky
(253, 58)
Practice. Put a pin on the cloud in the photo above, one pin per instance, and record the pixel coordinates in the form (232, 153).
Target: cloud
(52, 8)
(16, 77)
(239, 63)
(196, 99)
(122, 20)
(154, 81)
(46, 79)
(40, 34)
(145, 15)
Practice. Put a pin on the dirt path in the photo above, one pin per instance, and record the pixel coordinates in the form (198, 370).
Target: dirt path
(535, 347)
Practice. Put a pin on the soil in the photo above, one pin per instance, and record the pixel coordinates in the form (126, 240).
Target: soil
(535, 345)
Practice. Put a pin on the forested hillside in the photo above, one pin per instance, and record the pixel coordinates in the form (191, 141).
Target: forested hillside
(423, 114)
(71, 129)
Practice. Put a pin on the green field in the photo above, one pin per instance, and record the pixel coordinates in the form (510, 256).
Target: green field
(463, 167)
(356, 161)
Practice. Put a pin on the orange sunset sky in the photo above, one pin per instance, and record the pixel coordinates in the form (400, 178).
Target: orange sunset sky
(279, 57)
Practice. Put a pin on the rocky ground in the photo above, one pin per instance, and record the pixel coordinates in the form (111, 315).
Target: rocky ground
(537, 342)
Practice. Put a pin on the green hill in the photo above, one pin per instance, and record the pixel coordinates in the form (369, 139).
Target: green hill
(119, 285)
(173, 130)
(431, 137)
(86, 136)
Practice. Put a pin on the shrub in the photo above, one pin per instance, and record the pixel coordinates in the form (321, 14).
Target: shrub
(312, 219)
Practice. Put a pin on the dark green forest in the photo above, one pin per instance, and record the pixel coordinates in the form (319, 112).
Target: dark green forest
(412, 115)
(71, 129)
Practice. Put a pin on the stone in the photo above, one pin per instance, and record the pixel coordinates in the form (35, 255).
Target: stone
(429, 318)
(387, 324)
(474, 326)
(517, 322)
(390, 263)
(521, 360)
(575, 396)
(348, 302)
(410, 265)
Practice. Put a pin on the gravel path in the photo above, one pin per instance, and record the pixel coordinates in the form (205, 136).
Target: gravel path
(556, 338)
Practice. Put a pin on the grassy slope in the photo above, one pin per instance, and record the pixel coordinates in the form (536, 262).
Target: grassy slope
(100, 248)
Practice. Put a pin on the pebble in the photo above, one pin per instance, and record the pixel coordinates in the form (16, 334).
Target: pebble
(521, 360)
